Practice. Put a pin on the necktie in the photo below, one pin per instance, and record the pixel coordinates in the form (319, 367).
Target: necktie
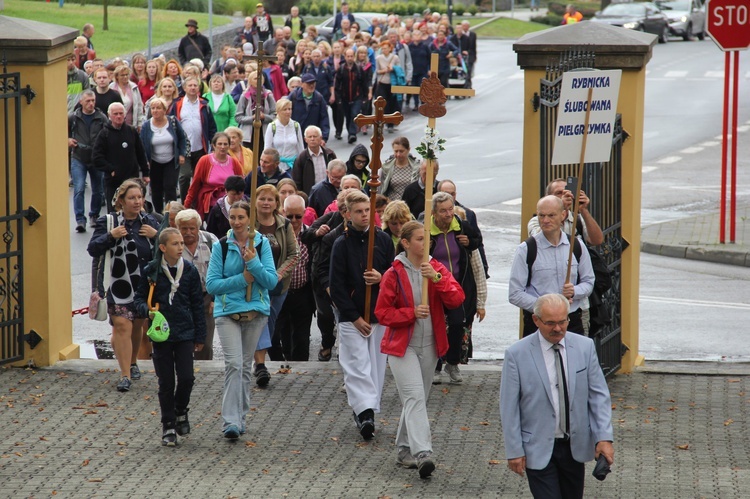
(562, 390)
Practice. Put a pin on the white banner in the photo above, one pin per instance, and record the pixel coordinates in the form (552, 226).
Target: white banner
(571, 116)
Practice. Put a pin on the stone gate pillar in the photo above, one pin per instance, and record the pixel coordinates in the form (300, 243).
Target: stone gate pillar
(38, 51)
(615, 48)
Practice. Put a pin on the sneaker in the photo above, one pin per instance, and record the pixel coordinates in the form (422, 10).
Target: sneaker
(262, 376)
(352, 139)
(135, 373)
(81, 227)
(169, 437)
(425, 464)
(338, 136)
(438, 378)
(454, 373)
(92, 221)
(232, 432)
(183, 425)
(124, 384)
(243, 429)
(405, 458)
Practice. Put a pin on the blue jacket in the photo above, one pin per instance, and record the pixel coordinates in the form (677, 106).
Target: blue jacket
(321, 195)
(179, 139)
(224, 279)
(314, 114)
(185, 313)
(263, 180)
(398, 78)
(323, 78)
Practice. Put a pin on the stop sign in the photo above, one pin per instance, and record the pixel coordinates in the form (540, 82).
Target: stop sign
(728, 23)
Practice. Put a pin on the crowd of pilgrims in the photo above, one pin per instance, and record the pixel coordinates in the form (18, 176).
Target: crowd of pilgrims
(258, 288)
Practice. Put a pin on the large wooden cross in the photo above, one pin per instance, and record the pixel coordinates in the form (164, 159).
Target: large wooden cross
(378, 120)
(259, 58)
(433, 96)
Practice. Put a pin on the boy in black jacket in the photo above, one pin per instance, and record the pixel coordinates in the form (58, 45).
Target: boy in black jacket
(359, 341)
(180, 299)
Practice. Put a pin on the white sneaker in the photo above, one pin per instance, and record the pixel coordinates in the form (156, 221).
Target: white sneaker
(454, 373)
(437, 379)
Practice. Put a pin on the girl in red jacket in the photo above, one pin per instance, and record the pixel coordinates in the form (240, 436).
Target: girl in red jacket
(414, 339)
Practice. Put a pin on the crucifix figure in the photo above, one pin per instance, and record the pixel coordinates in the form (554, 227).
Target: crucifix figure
(259, 58)
(433, 96)
(379, 119)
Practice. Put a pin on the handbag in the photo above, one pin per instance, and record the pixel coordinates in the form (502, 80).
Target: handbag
(98, 303)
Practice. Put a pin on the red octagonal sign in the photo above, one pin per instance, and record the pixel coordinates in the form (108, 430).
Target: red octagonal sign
(728, 23)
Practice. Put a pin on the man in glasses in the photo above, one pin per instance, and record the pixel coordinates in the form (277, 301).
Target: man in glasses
(554, 404)
(541, 263)
(296, 314)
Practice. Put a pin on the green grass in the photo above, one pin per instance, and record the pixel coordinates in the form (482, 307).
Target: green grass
(508, 28)
(128, 27)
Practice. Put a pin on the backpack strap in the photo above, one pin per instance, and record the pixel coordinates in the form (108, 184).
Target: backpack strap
(224, 249)
(531, 254)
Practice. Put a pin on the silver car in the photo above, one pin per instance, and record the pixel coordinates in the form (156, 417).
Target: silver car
(687, 18)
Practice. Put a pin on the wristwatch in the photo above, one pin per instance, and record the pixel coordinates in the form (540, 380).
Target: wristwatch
(437, 277)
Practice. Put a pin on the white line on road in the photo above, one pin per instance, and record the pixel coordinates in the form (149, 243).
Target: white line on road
(710, 143)
(647, 169)
(743, 128)
(513, 202)
(675, 74)
(516, 76)
(699, 303)
(499, 153)
(473, 181)
(669, 160)
(714, 74)
(691, 150)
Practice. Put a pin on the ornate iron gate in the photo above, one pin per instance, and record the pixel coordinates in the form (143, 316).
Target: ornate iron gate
(12, 335)
(602, 183)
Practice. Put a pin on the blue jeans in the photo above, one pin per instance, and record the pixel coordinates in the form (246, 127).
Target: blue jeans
(351, 110)
(238, 340)
(78, 172)
(265, 336)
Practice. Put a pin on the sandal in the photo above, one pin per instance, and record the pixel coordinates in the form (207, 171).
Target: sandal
(324, 355)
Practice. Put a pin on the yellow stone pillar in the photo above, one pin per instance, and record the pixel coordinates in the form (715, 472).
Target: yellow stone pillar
(38, 51)
(615, 48)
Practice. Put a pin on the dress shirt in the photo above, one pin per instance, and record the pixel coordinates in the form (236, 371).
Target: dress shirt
(548, 273)
(190, 119)
(319, 163)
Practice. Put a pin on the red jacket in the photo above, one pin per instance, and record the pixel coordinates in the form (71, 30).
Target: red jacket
(395, 308)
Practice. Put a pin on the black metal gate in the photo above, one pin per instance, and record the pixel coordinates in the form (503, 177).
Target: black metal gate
(602, 183)
(12, 214)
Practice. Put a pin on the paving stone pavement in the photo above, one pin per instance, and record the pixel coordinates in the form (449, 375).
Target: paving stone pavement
(66, 432)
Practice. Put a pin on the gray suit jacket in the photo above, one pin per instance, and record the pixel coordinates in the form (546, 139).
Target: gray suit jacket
(526, 409)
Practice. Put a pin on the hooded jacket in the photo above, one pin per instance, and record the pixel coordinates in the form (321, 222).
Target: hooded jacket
(351, 169)
(395, 306)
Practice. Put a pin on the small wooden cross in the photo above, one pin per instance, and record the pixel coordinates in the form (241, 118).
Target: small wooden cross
(259, 58)
(433, 95)
(378, 120)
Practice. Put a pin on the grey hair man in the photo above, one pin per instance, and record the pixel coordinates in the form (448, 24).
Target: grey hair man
(324, 193)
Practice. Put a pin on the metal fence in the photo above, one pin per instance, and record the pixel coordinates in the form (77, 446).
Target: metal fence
(602, 183)
(12, 214)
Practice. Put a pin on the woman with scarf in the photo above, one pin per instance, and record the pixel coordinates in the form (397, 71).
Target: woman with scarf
(131, 97)
(210, 174)
(222, 106)
(246, 110)
(128, 235)
(236, 263)
(285, 134)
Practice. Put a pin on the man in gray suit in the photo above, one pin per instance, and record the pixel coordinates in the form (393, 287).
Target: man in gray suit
(542, 438)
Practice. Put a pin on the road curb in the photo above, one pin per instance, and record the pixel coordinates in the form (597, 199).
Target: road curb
(737, 258)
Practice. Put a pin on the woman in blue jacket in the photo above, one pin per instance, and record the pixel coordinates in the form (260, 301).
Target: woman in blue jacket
(166, 147)
(236, 264)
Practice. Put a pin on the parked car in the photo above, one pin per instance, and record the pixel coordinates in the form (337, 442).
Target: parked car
(362, 18)
(687, 18)
(639, 16)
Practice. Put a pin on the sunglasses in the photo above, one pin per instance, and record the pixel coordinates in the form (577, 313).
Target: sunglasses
(295, 217)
